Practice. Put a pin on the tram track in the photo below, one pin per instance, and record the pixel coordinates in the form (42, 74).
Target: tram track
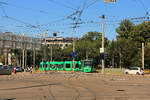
(39, 84)
(42, 84)
(71, 87)
(79, 88)
(61, 85)
(87, 90)
(50, 87)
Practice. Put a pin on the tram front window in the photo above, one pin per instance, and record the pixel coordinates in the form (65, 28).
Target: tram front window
(87, 64)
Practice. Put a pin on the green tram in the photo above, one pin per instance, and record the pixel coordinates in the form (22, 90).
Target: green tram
(83, 65)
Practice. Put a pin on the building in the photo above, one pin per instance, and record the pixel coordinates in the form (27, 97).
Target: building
(61, 41)
(9, 41)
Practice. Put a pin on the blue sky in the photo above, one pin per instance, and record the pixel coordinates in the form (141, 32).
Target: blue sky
(52, 15)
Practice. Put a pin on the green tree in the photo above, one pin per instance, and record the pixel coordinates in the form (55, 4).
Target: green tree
(142, 35)
(113, 54)
(128, 48)
(125, 30)
(142, 32)
(89, 46)
(147, 55)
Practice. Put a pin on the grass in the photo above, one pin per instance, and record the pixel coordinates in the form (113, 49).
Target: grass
(111, 71)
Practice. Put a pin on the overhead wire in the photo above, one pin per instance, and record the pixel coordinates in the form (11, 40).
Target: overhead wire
(61, 4)
(69, 2)
(77, 12)
(92, 3)
(62, 19)
(14, 19)
(143, 6)
(25, 8)
(11, 18)
(3, 10)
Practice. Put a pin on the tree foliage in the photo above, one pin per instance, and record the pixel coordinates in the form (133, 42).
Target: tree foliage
(129, 41)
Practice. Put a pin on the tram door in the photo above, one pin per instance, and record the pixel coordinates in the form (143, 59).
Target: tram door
(52, 66)
(78, 66)
(60, 66)
(68, 66)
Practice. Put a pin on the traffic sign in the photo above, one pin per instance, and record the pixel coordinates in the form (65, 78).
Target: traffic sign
(74, 54)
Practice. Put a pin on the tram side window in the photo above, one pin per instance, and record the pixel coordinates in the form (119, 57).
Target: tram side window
(46, 66)
(52, 66)
(41, 66)
(77, 65)
(67, 65)
(56, 65)
(60, 66)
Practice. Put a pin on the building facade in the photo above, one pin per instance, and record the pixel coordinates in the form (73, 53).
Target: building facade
(9, 41)
(60, 41)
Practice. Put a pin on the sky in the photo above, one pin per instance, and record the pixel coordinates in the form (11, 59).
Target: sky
(32, 17)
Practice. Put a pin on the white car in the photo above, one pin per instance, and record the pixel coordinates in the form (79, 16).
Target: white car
(135, 70)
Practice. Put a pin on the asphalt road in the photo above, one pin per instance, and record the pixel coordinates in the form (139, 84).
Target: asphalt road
(74, 86)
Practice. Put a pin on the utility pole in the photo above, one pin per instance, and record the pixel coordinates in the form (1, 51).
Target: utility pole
(102, 50)
(143, 55)
(5, 55)
(45, 45)
(46, 32)
(34, 52)
(25, 58)
(51, 53)
(34, 57)
(53, 38)
(41, 37)
(23, 51)
(120, 59)
(74, 53)
(33, 48)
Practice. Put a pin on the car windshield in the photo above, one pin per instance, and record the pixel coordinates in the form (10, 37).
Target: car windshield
(133, 68)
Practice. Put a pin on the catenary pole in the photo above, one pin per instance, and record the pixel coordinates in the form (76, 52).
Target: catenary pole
(103, 62)
(143, 55)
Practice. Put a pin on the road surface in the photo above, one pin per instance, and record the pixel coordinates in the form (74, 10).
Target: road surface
(74, 86)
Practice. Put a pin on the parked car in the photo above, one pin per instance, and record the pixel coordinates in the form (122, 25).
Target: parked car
(19, 69)
(11, 68)
(4, 70)
(135, 70)
(1, 64)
